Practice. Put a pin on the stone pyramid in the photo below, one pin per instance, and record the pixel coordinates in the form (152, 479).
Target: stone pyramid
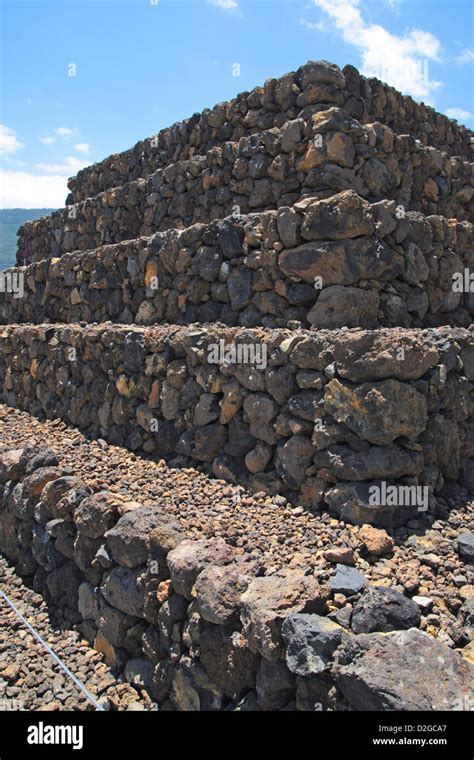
(277, 292)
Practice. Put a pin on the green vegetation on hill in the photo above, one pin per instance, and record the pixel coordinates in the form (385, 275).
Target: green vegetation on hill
(10, 220)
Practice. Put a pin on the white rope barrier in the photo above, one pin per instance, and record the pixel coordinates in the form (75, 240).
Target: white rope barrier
(52, 653)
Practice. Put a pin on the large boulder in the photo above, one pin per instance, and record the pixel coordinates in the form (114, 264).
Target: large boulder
(270, 599)
(377, 462)
(345, 306)
(34, 457)
(165, 537)
(63, 584)
(123, 589)
(33, 484)
(311, 641)
(228, 661)
(192, 690)
(322, 72)
(345, 215)
(54, 493)
(218, 591)
(293, 459)
(335, 120)
(239, 287)
(209, 441)
(139, 672)
(404, 670)
(355, 503)
(378, 412)
(347, 580)
(19, 505)
(376, 355)
(313, 352)
(134, 352)
(340, 263)
(230, 237)
(11, 465)
(191, 557)
(275, 686)
(114, 625)
(96, 514)
(384, 609)
(259, 410)
(89, 601)
(465, 542)
(129, 540)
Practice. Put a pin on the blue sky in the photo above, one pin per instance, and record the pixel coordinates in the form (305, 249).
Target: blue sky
(81, 79)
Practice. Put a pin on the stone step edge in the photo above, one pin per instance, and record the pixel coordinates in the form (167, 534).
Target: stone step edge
(142, 145)
(280, 339)
(243, 220)
(275, 385)
(151, 265)
(269, 134)
(195, 329)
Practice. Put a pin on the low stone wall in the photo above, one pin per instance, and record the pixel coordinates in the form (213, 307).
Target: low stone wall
(200, 625)
(327, 153)
(330, 418)
(331, 263)
(312, 88)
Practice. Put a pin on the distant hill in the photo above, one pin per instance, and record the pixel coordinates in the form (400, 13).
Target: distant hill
(10, 220)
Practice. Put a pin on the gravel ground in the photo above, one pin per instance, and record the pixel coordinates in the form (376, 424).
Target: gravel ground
(30, 679)
(424, 560)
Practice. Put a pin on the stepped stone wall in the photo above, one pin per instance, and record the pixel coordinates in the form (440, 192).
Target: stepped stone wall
(291, 208)
(195, 622)
(265, 293)
(312, 88)
(266, 170)
(319, 416)
(370, 267)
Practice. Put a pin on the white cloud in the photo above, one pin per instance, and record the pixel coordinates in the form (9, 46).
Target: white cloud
(401, 61)
(71, 164)
(228, 5)
(64, 132)
(459, 114)
(465, 56)
(46, 140)
(9, 142)
(14, 161)
(319, 25)
(83, 148)
(23, 190)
